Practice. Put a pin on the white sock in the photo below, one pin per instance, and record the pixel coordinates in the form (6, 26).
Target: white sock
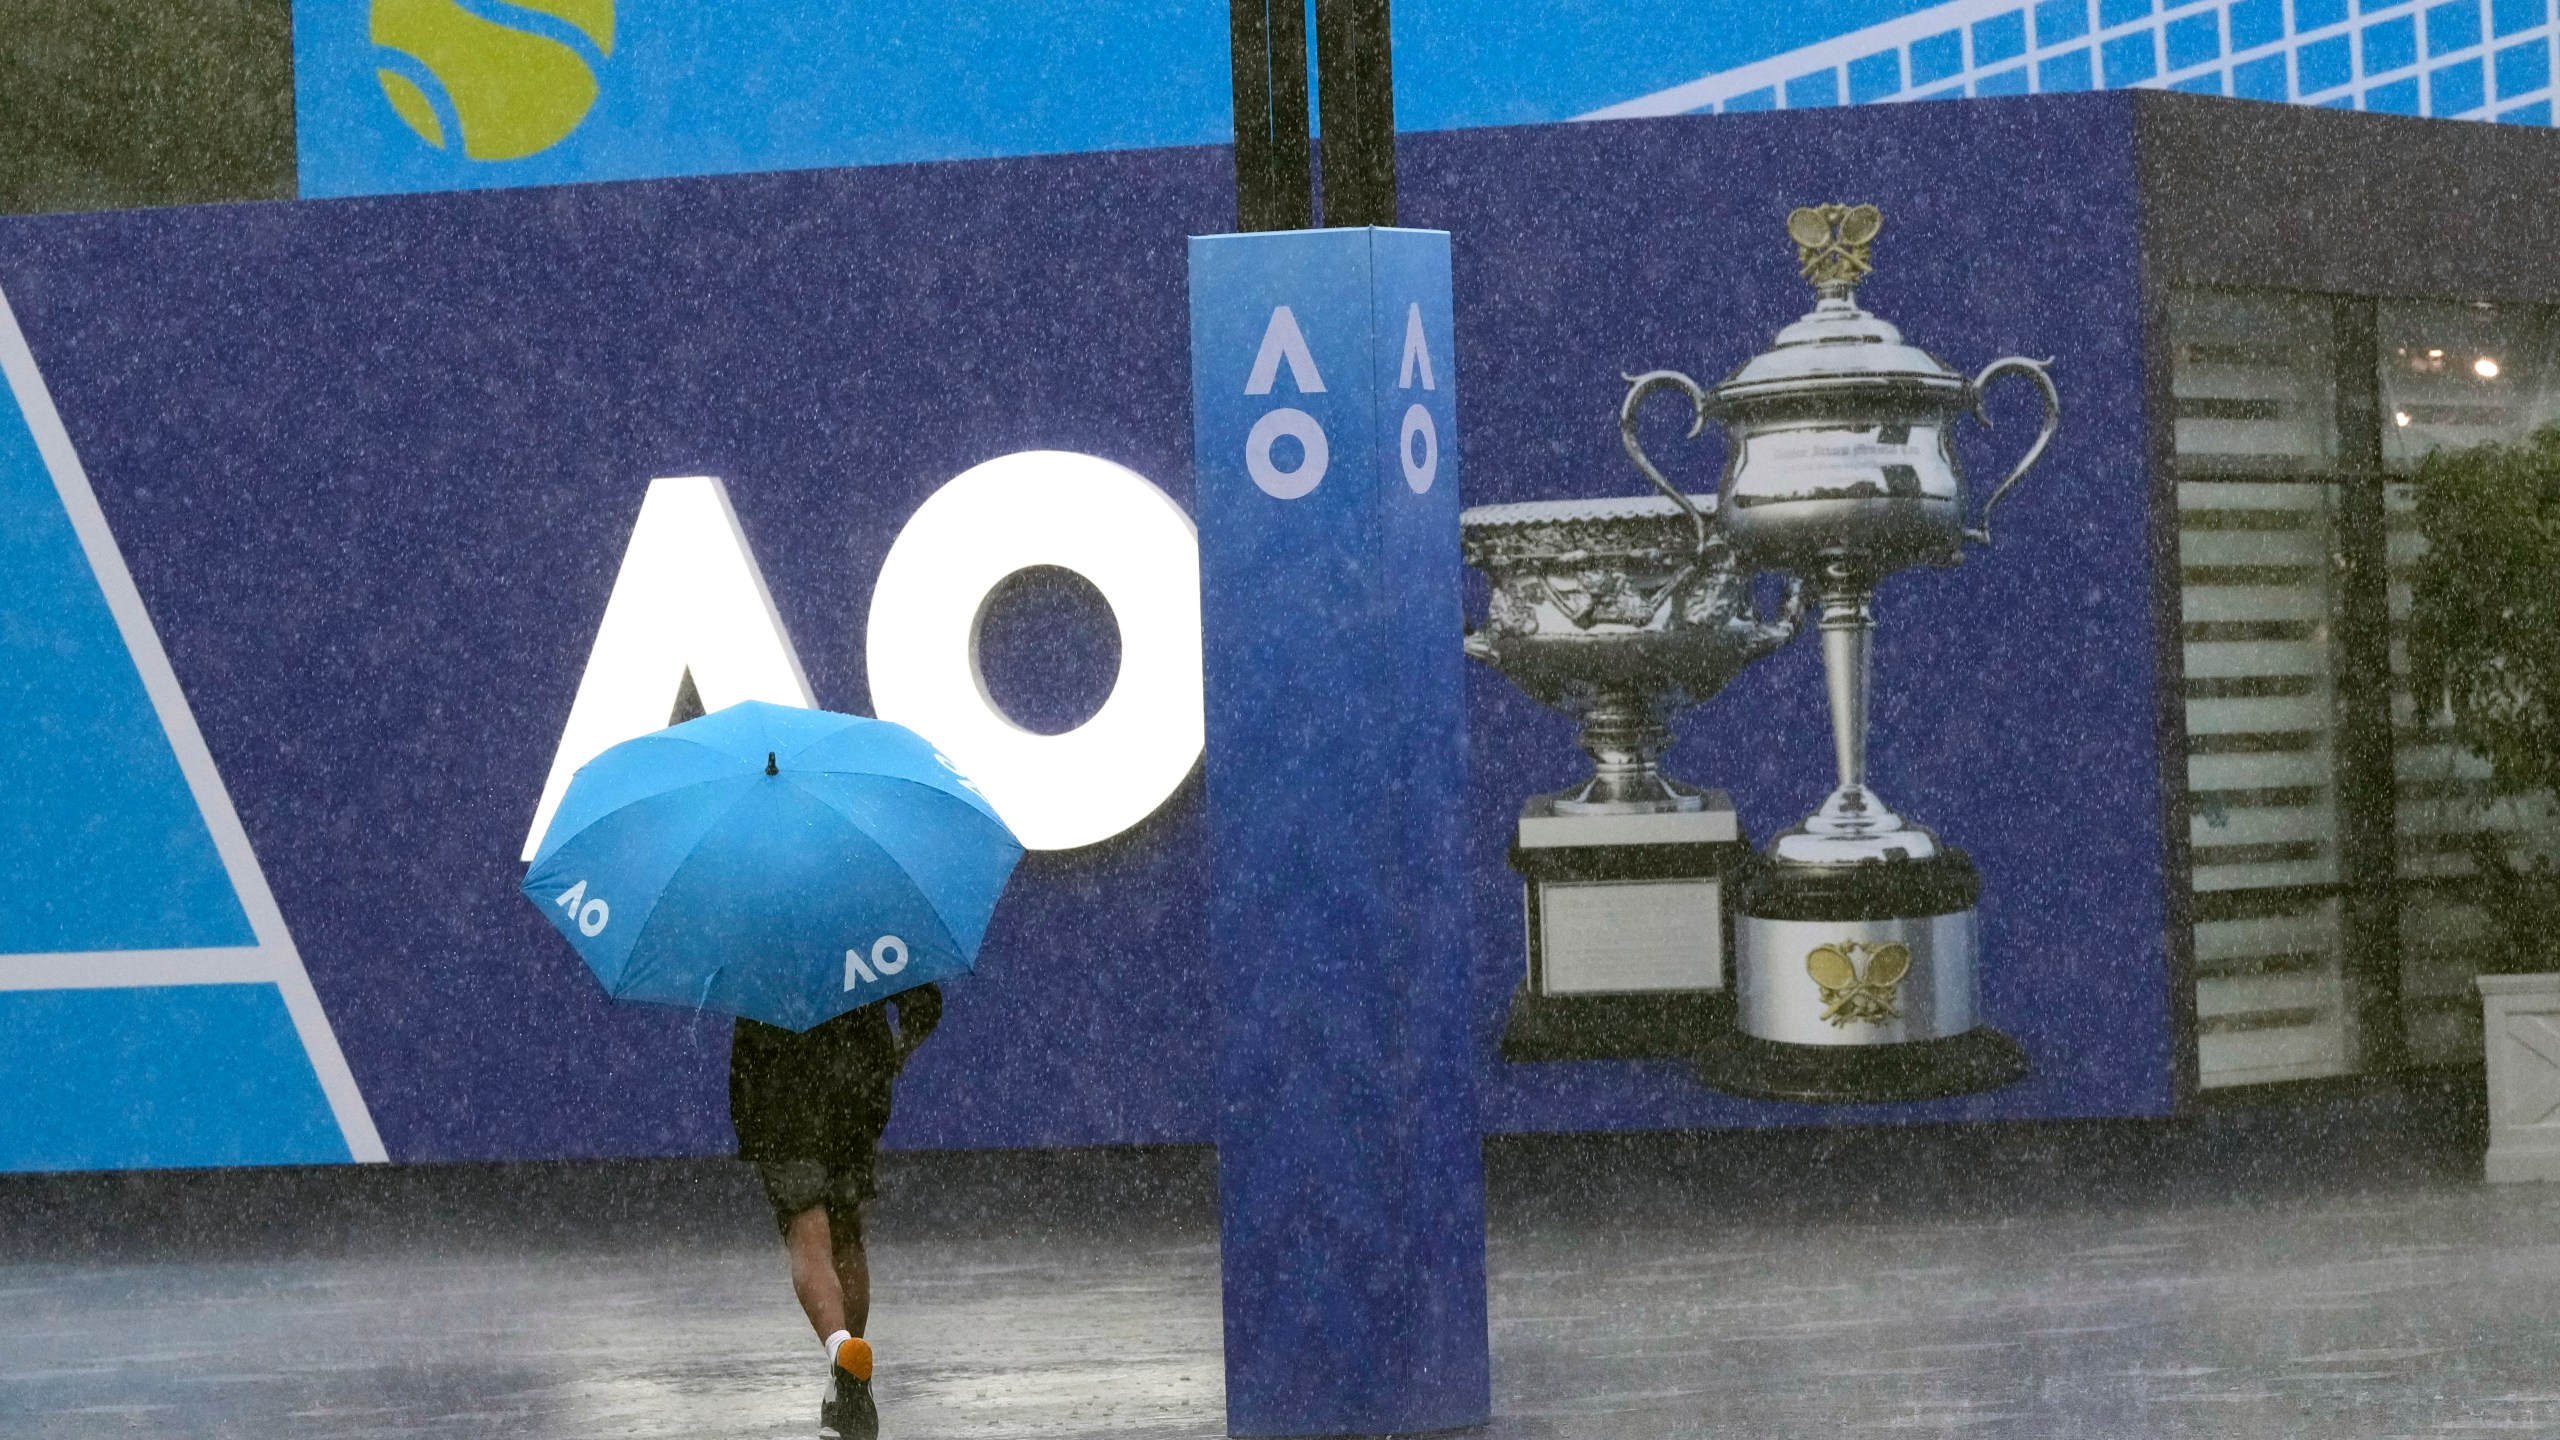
(835, 1342)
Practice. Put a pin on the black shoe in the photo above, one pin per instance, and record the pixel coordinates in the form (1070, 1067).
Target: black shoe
(847, 1413)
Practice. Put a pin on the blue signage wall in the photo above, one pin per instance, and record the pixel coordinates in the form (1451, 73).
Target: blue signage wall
(406, 95)
(373, 464)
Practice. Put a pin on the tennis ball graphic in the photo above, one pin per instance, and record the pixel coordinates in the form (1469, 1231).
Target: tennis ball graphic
(514, 92)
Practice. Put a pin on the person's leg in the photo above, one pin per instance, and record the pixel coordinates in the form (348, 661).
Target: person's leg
(852, 1267)
(815, 1270)
(847, 1412)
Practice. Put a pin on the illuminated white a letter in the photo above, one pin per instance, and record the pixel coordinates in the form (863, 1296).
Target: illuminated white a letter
(1282, 340)
(1417, 352)
(689, 601)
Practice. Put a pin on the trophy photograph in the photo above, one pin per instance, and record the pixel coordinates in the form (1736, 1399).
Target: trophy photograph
(1621, 613)
(1856, 937)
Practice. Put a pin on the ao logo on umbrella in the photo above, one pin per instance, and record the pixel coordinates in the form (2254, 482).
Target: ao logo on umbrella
(492, 89)
(783, 864)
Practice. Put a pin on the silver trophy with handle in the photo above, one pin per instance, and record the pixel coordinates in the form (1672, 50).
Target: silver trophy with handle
(1855, 935)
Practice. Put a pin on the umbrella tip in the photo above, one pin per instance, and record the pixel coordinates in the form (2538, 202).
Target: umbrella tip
(769, 767)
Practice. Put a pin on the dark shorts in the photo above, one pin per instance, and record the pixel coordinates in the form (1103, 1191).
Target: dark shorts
(809, 1108)
(843, 1185)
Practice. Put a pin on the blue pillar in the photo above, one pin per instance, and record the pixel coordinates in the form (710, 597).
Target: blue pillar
(1351, 1181)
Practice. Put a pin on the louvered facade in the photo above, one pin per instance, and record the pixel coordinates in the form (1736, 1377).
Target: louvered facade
(2330, 817)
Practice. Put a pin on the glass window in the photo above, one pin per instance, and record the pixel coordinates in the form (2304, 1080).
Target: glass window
(2453, 375)
(2253, 381)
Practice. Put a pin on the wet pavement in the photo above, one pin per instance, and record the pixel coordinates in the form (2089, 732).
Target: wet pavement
(2325, 1266)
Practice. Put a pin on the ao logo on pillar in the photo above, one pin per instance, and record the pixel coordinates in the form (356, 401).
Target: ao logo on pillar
(1284, 347)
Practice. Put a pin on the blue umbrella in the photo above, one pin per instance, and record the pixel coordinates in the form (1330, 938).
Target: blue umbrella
(785, 865)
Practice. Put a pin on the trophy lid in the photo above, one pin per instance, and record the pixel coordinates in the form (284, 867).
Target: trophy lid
(1838, 346)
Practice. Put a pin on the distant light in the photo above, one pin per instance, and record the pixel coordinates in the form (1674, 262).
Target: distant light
(2485, 368)
(2435, 354)
(2400, 418)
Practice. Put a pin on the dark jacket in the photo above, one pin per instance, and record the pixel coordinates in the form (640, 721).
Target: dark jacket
(823, 1093)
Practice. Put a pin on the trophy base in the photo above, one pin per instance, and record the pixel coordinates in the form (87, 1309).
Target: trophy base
(1667, 1026)
(1979, 1059)
(1855, 984)
(1627, 930)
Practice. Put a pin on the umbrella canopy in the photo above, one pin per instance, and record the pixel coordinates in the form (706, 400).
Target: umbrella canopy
(785, 865)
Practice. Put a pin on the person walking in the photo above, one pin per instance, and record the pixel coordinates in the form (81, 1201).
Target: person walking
(808, 1108)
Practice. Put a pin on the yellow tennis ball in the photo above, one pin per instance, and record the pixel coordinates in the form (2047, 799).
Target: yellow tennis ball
(514, 92)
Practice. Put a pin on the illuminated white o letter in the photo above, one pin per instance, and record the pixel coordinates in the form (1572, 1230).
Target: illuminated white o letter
(1418, 474)
(889, 955)
(1300, 426)
(1132, 543)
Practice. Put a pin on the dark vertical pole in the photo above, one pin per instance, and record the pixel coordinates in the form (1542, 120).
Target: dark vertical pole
(1274, 189)
(2368, 801)
(1355, 85)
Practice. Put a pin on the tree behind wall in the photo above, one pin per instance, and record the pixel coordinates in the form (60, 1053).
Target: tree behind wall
(112, 103)
(2484, 644)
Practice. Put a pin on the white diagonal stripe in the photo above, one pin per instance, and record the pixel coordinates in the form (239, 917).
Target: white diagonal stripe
(178, 722)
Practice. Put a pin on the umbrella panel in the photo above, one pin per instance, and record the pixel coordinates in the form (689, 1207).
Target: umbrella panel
(762, 915)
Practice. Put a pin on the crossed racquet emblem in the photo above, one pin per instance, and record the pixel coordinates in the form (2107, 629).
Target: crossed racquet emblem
(1832, 241)
(1847, 995)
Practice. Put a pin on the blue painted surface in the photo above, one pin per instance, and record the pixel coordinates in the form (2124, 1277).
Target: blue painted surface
(2398, 98)
(1875, 77)
(747, 85)
(1999, 38)
(2324, 66)
(2060, 20)
(2130, 58)
(2523, 68)
(2192, 40)
(377, 528)
(786, 84)
(2260, 79)
(2454, 25)
(157, 1077)
(2255, 23)
(2456, 89)
(101, 845)
(1351, 1187)
(1937, 57)
(2065, 72)
(2388, 46)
